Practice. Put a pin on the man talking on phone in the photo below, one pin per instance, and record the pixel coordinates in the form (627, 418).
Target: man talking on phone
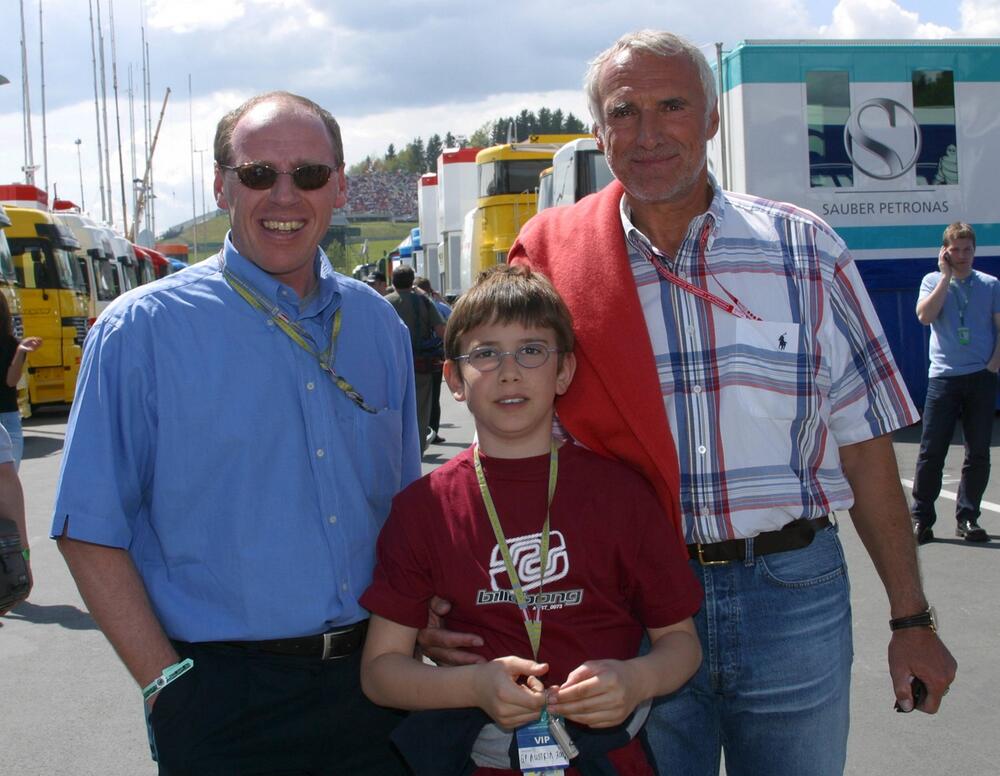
(962, 307)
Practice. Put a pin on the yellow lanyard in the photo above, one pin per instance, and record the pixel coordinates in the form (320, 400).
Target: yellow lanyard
(299, 336)
(532, 625)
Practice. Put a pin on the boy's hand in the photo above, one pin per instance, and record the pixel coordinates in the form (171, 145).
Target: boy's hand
(600, 693)
(498, 694)
(446, 647)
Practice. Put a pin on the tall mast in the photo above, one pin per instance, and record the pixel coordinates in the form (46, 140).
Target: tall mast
(97, 111)
(194, 202)
(104, 113)
(29, 151)
(45, 136)
(118, 119)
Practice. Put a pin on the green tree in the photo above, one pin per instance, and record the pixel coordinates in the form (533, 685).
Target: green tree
(449, 140)
(390, 152)
(432, 152)
(573, 124)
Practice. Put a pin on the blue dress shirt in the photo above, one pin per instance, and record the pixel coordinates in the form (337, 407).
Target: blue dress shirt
(248, 489)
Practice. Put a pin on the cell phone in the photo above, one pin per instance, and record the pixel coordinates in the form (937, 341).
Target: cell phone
(919, 691)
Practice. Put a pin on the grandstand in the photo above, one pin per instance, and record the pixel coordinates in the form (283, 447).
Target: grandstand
(383, 195)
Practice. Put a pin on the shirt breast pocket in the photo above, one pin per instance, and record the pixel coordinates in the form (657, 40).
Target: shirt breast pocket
(378, 453)
(767, 368)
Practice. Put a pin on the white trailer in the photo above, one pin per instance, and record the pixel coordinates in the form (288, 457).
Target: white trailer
(888, 141)
(578, 169)
(457, 192)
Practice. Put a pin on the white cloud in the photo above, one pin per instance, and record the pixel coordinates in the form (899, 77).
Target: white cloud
(184, 16)
(879, 19)
(980, 18)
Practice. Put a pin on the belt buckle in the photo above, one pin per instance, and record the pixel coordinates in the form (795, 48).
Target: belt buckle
(328, 644)
(703, 562)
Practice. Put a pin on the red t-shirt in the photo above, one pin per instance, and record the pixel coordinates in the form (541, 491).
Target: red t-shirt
(615, 563)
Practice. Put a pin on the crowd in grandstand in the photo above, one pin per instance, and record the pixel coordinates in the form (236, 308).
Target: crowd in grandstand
(392, 194)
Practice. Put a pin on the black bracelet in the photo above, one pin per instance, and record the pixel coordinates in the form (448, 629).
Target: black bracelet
(926, 619)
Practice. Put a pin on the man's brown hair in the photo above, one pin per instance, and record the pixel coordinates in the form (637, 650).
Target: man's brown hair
(506, 294)
(957, 231)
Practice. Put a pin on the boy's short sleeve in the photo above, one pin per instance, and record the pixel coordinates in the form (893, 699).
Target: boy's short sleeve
(665, 590)
(402, 584)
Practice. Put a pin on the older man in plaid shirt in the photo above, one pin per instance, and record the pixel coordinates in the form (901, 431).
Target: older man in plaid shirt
(733, 356)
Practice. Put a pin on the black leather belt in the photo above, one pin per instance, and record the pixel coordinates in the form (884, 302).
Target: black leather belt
(324, 646)
(794, 536)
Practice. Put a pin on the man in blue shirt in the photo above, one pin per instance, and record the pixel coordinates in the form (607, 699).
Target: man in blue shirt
(232, 452)
(962, 307)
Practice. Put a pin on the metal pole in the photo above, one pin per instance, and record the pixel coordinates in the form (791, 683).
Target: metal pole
(723, 140)
(201, 165)
(118, 120)
(104, 113)
(45, 136)
(79, 164)
(29, 152)
(194, 201)
(97, 112)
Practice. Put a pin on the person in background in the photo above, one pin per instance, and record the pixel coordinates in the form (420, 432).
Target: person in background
(221, 539)
(13, 353)
(377, 281)
(426, 327)
(12, 504)
(962, 307)
(424, 286)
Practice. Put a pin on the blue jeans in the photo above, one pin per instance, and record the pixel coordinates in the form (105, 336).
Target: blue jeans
(973, 397)
(773, 689)
(12, 422)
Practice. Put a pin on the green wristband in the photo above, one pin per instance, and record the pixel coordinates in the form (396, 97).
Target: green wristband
(26, 554)
(170, 673)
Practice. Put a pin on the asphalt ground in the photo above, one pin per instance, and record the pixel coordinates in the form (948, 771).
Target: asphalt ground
(68, 707)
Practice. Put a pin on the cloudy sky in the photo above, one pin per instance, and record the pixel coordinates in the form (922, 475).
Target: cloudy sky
(390, 70)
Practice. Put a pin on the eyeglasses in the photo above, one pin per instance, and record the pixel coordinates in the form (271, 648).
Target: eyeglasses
(486, 358)
(260, 176)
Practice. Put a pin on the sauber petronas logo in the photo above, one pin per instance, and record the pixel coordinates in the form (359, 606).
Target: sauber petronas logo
(526, 554)
(882, 138)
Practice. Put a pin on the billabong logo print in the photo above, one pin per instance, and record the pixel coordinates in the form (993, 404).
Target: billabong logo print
(526, 554)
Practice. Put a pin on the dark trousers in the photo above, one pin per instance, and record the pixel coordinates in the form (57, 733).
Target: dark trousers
(973, 399)
(240, 712)
(435, 420)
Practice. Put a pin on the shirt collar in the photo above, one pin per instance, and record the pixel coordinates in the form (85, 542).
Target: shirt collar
(327, 291)
(637, 241)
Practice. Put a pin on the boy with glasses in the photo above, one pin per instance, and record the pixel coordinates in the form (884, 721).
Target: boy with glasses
(523, 535)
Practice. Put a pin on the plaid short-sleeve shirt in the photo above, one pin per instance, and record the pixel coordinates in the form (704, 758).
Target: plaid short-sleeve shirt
(760, 399)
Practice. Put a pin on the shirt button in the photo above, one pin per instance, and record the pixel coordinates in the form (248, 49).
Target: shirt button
(310, 385)
(702, 449)
(705, 512)
(697, 389)
(690, 329)
(320, 453)
(343, 586)
(270, 323)
(332, 519)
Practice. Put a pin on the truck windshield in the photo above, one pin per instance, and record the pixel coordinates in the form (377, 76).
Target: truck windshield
(6, 261)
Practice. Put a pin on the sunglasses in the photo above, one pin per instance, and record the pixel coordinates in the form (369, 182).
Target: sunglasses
(260, 176)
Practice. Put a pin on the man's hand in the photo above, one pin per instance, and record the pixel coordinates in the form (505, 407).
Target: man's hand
(599, 693)
(919, 652)
(446, 647)
(498, 694)
(944, 262)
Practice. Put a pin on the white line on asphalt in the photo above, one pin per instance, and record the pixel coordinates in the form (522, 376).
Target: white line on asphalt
(954, 497)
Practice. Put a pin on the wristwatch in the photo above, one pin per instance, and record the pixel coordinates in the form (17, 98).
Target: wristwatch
(926, 619)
